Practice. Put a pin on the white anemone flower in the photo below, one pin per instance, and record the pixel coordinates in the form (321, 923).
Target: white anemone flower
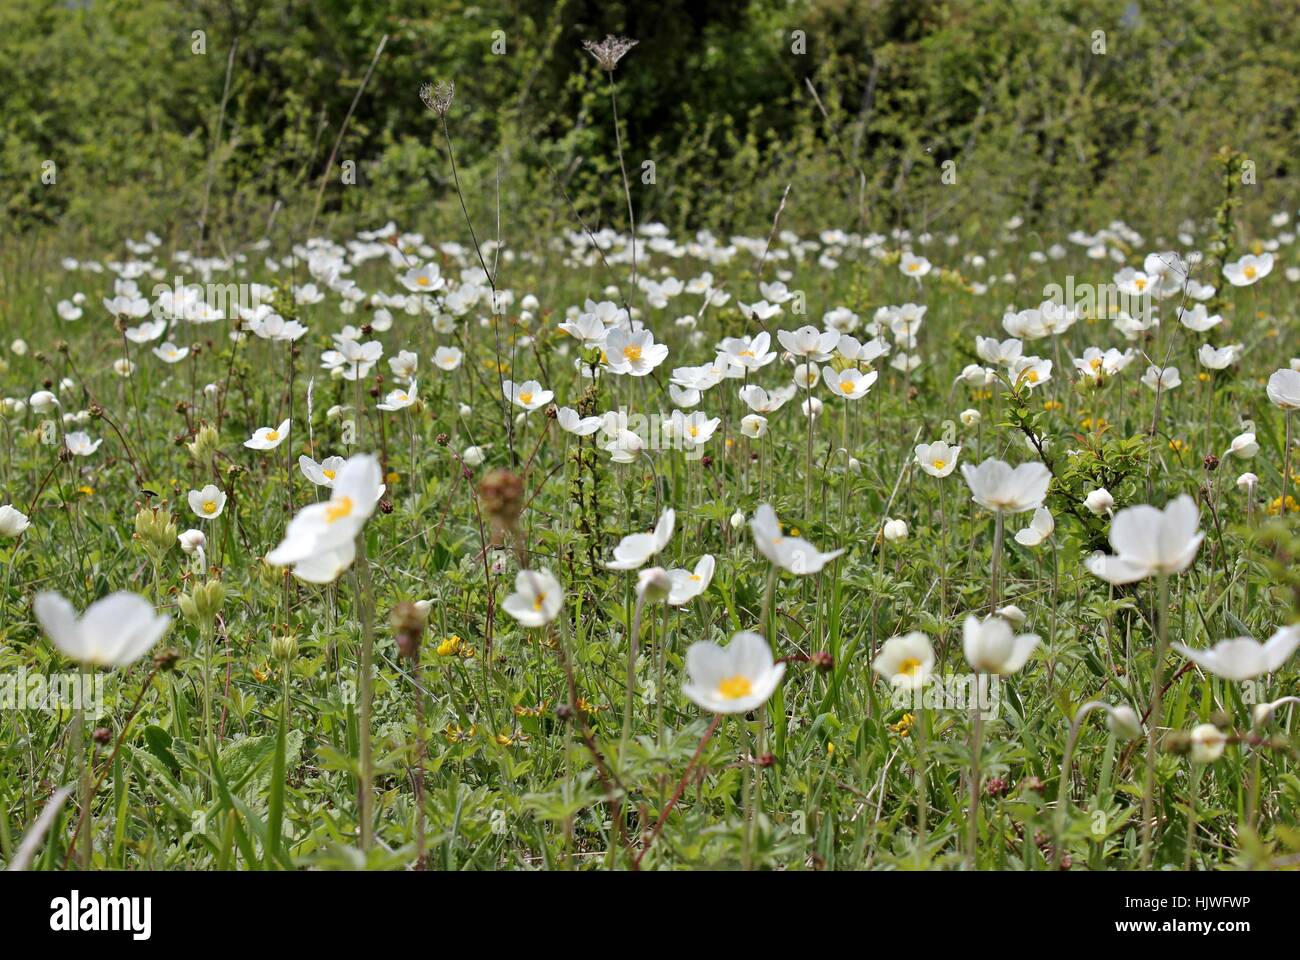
(1244, 658)
(789, 552)
(114, 631)
(537, 600)
(636, 548)
(737, 678)
(1041, 526)
(991, 646)
(268, 438)
(906, 661)
(1150, 542)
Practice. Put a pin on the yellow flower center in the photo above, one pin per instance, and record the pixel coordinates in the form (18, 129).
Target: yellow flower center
(846, 386)
(940, 464)
(329, 474)
(1032, 376)
(733, 688)
(209, 507)
(1096, 363)
(538, 601)
(694, 431)
(632, 353)
(526, 397)
(338, 509)
(422, 281)
(909, 667)
(1141, 284)
(913, 267)
(273, 435)
(1249, 272)
(695, 577)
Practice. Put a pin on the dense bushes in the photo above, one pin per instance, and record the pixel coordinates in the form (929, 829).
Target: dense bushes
(1013, 94)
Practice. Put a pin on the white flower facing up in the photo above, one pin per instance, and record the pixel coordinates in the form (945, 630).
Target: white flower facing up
(1249, 269)
(938, 459)
(850, 383)
(737, 678)
(809, 343)
(1161, 379)
(170, 353)
(991, 646)
(79, 444)
(268, 438)
(1041, 526)
(907, 662)
(208, 502)
(322, 474)
(997, 486)
(537, 600)
(528, 394)
(320, 542)
(115, 631)
(791, 553)
(400, 399)
(12, 521)
(1244, 658)
(636, 548)
(1150, 542)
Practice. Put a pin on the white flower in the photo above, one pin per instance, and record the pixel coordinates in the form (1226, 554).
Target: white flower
(1207, 742)
(12, 521)
(537, 600)
(653, 585)
(1247, 482)
(473, 456)
(570, 422)
(1283, 389)
(991, 646)
(192, 541)
(636, 548)
(1039, 529)
(913, 266)
(1157, 379)
(996, 486)
(320, 542)
(906, 662)
(791, 553)
(634, 353)
(753, 426)
(809, 343)
(1244, 445)
(1249, 269)
(268, 438)
(737, 520)
(689, 584)
(1219, 358)
(115, 631)
(447, 358)
(1244, 658)
(322, 474)
(1123, 722)
(1099, 502)
(937, 459)
(970, 418)
(528, 394)
(895, 530)
(1148, 541)
(400, 399)
(850, 383)
(207, 503)
(735, 679)
(80, 444)
(42, 401)
(424, 279)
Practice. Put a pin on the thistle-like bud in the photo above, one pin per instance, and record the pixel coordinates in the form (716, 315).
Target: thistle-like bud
(202, 604)
(408, 622)
(284, 647)
(205, 444)
(156, 529)
(502, 493)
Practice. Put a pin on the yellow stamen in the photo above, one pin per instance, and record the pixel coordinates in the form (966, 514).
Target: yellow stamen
(733, 688)
(632, 353)
(909, 667)
(272, 435)
(329, 474)
(940, 464)
(526, 397)
(338, 509)
(209, 507)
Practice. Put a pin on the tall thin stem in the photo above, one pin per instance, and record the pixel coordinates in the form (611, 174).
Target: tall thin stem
(1153, 722)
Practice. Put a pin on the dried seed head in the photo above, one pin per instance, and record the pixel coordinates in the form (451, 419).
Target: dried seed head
(408, 621)
(610, 51)
(438, 96)
(502, 493)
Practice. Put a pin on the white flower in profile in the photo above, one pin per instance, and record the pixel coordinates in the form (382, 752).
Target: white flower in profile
(1249, 269)
(80, 444)
(322, 474)
(42, 401)
(400, 399)
(404, 365)
(447, 358)
(145, 332)
(997, 486)
(1244, 445)
(695, 429)
(850, 383)
(1199, 319)
(997, 353)
(528, 394)
(809, 343)
(625, 447)
(1207, 743)
(320, 542)
(749, 353)
(268, 438)
(1284, 389)
(12, 521)
(193, 542)
(1219, 358)
(753, 426)
(636, 548)
(1157, 379)
(170, 353)
(1041, 526)
(1247, 482)
(759, 310)
(913, 266)
(791, 553)
(1031, 371)
(894, 531)
(938, 459)
(114, 631)
(689, 584)
(1099, 502)
(763, 401)
(991, 646)
(1244, 658)
(537, 600)
(587, 328)
(906, 661)
(1150, 542)
(571, 422)
(735, 679)
(207, 503)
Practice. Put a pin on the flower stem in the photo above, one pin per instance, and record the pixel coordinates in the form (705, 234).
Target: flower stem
(1153, 722)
